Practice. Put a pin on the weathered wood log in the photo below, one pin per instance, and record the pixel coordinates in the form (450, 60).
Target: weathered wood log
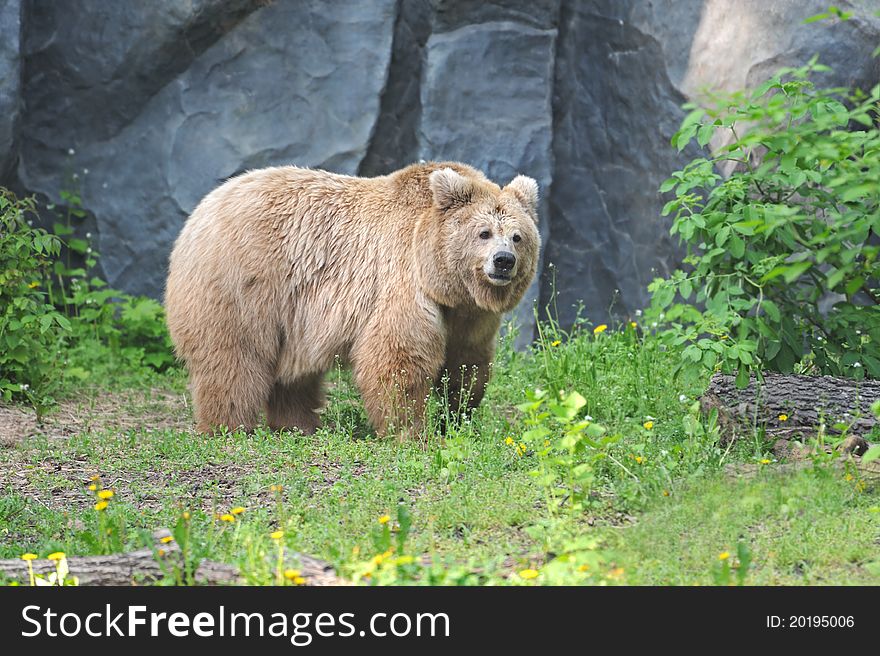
(791, 405)
(151, 565)
(792, 411)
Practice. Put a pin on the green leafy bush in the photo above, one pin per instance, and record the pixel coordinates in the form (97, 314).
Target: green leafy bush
(132, 328)
(32, 331)
(59, 324)
(782, 262)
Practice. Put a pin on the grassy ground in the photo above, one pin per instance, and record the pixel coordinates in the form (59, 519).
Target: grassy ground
(660, 505)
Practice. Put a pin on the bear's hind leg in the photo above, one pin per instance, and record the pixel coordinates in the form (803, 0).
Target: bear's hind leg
(295, 405)
(231, 395)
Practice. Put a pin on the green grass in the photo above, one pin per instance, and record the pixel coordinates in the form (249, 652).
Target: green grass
(660, 508)
(807, 527)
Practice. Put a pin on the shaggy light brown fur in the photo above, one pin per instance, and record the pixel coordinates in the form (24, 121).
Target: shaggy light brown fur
(280, 271)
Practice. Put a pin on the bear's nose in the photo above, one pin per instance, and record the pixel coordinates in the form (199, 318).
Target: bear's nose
(504, 260)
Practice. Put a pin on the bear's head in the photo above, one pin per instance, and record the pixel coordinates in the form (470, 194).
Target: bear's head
(486, 238)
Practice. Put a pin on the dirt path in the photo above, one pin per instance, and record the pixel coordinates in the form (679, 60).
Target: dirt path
(152, 409)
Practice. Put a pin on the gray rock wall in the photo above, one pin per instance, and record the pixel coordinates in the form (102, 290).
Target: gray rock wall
(10, 83)
(145, 107)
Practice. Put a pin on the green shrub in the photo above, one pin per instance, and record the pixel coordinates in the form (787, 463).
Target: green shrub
(781, 258)
(32, 331)
(58, 324)
(131, 328)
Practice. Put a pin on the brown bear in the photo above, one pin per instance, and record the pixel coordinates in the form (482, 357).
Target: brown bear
(280, 271)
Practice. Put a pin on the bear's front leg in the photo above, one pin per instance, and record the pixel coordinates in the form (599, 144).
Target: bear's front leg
(394, 367)
(470, 348)
(463, 380)
(394, 398)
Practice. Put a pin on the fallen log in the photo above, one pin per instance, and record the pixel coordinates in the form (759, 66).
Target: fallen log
(794, 409)
(150, 565)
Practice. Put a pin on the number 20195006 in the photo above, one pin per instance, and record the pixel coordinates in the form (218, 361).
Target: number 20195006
(810, 622)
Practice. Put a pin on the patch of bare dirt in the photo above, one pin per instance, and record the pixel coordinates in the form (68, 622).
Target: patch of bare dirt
(15, 424)
(153, 409)
(62, 485)
(331, 472)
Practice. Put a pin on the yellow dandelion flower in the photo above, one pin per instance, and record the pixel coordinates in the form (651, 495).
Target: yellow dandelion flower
(584, 568)
(783, 417)
(237, 510)
(227, 518)
(648, 425)
(161, 552)
(186, 516)
(101, 505)
(665, 493)
(640, 459)
(724, 555)
(276, 535)
(633, 324)
(58, 555)
(765, 461)
(848, 477)
(29, 556)
(529, 574)
(555, 342)
(616, 573)
(299, 580)
(166, 539)
(601, 328)
(92, 487)
(509, 441)
(105, 494)
(384, 519)
(291, 574)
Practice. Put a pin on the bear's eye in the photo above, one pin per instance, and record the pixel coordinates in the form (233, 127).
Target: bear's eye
(485, 234)
(517, 239)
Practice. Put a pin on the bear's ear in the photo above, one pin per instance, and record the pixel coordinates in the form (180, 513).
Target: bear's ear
(450, 188)
(525, 190)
